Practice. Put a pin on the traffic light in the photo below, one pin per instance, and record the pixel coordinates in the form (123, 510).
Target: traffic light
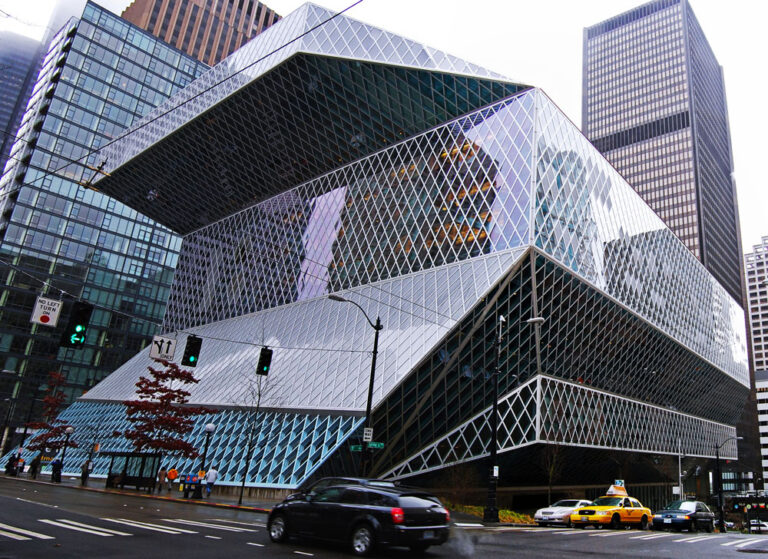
(192, 351)
(74, 333)
(265, 359)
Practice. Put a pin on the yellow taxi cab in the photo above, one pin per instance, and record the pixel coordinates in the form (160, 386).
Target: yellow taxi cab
(615, 509)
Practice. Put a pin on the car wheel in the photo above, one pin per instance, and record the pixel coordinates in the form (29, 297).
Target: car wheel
(644, 523)
(710, 526)
(615, 522)
(693, 527)
(363, 540)
(278, 532)
(419, 547)
(568, 524)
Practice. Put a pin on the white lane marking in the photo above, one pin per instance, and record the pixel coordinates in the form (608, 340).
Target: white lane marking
(567, 533)
(749, 542)
(607, 534)
(26, 532)
(13, 536)
(147, 526)
(468, 524)
(734, 542)
(36, 503)
(247, 523)
(107, 530)
(68, 527)
(256, 544)
(650, 536)
(214, 537)
(206, 525)
(304, 553)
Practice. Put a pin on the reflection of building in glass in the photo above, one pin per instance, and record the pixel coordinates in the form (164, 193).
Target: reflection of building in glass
(478, 200)
(94, 82)
(654, 105)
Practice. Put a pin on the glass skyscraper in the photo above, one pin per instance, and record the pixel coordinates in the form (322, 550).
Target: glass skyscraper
(67, 241)
(438, 196)
(654, 104)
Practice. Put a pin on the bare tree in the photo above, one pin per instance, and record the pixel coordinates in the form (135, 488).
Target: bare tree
(257, 389)
(552, 461)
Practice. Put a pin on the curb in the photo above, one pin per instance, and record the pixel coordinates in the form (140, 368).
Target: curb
(143, 495)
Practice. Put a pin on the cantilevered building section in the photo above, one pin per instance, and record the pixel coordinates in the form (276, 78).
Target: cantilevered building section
(438, 196)
(654, 104)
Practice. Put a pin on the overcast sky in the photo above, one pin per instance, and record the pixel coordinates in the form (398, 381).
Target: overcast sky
(540, 43)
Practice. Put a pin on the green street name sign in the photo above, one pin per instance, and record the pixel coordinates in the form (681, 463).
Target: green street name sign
(374, 444)
(356, 448)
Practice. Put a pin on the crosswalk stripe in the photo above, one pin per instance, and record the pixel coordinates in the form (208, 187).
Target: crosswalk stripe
(77, 529)
(206, 525)
(147, 526)
(13, 536)
(606, 534)
(749, 542)
(650, 536)
(26, 532)
(256, 524)
(107, 530)
(256, 544)
(696, 539)
(734, 542)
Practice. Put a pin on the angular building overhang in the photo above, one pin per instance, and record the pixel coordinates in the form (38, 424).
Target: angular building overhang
(264, 119)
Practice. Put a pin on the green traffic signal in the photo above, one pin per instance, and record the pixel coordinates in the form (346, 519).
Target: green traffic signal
(79, 328)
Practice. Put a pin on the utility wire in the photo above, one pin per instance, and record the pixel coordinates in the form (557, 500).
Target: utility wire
(206, 90)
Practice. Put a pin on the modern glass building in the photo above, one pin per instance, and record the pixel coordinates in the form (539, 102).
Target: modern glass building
(439, 197)
(653, 102)
(100, 74)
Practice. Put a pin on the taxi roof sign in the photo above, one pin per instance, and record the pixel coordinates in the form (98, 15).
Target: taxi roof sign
(615, 490)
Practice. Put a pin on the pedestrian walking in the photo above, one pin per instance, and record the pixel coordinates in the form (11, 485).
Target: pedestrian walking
(56, 471)
(173, 473)
(210, 478)
(85, 471)
(162, 479)
(34, 467)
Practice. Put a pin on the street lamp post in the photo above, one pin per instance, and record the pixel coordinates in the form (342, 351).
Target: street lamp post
(6, 423)
(29, 420)
(68, 431)
(491, 511)
(720, 504)
(365, 461)
(209, 429)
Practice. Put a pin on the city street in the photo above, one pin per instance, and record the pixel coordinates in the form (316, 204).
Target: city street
(41, 520)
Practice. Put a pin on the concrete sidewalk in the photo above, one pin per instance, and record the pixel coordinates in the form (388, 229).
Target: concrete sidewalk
(176, 496)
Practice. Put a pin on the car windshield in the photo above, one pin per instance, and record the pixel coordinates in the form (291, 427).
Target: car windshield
(689, 506)
(566, 504)
(608, 501)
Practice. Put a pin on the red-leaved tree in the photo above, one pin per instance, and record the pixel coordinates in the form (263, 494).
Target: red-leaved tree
(51, 436)
(159, 416)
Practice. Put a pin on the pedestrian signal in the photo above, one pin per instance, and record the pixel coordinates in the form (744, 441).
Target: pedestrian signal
(192, 351)
(74, 333)
(265, 360)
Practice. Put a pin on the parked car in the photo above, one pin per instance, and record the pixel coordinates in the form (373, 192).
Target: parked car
(757, 525)
(366, 516)
(560, 512)
(329, 481)
(685, 515)
(615, 509)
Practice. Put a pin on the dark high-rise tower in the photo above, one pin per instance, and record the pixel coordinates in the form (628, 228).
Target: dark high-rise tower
(654, 105)
(18, 61)
(209, 30)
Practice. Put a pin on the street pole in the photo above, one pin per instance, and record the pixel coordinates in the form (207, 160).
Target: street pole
(209, 429)
(365, 460)
(29, 420)
(491, 511)
(720, 503)
(69, 430)
(680, 467)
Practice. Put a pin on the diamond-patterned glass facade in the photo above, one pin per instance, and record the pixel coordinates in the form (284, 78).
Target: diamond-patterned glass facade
(506, 210)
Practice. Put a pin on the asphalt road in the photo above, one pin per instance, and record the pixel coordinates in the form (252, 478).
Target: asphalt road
(45, 521)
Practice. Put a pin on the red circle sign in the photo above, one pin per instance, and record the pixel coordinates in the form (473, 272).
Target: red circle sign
(45, 318)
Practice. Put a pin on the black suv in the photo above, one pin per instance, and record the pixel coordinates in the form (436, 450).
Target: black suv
(365, 516)
(328, 481)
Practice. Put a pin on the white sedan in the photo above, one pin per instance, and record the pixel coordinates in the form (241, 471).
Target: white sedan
(560, 512)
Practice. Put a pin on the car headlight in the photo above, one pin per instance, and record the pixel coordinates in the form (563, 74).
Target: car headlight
(603, 513)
